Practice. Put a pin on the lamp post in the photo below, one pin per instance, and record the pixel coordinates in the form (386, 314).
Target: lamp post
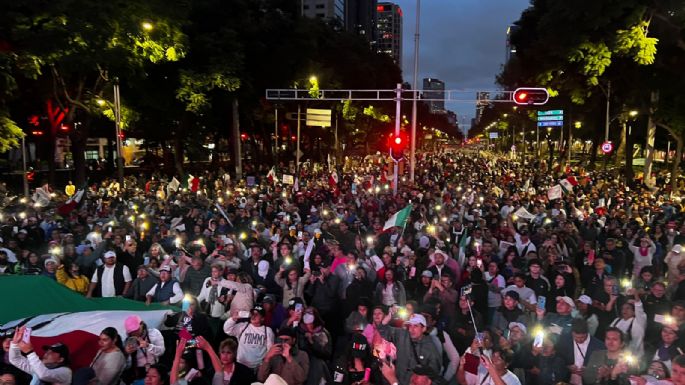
(117, 122)
(412, 142)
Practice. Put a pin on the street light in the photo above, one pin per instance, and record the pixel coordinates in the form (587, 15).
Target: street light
(578, 124)
(633, 113)
(147, 26)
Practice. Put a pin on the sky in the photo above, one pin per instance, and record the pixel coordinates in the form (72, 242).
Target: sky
(462, 42)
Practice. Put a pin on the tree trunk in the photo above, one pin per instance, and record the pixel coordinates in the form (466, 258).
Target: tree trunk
(620, 152)
(235, 130)
(593, 154)
(178, 154)
(628, 167)
(675, 170)
(649, 146)
(78, 153)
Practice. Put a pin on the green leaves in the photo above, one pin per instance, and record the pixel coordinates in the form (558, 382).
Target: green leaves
(635, 43)
(194, 87)
(10, 133)
(594, 58)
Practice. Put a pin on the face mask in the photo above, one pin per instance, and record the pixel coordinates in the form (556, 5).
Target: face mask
(308, 318)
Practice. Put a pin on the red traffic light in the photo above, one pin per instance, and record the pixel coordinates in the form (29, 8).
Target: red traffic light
(530, 96)
(397, 145)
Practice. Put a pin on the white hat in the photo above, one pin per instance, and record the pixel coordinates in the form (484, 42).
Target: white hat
(110, 254)
(263, 268)
(676, 249)
(518, 325)
(568, 300)
(416, 319)
(585, 299)
(50, 260)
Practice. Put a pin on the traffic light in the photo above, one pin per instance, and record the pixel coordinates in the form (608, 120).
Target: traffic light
(397, 145)
(530, 96)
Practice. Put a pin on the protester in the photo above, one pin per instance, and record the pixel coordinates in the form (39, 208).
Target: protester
(53, 367)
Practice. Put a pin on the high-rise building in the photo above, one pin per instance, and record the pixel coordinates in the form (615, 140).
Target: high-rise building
(434, 89)
(510, 48)
(360, 18)
(482, 101)
(324, 9)
(389, 17)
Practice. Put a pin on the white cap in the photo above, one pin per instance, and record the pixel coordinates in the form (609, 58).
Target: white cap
(568, 300)
(518, 325)
(585, 299)
(110, 254)
(416, 319)
(676, 249)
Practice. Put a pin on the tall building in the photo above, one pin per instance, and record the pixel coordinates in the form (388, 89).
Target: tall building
(324, 9)
(482, 101)
(389, 17)
(434, 89)
(510, 48)
(360, 18)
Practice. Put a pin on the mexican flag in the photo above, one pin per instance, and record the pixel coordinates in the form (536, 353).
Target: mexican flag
(398, 219)
(271, 176)
(568, 183)
(72, 203)
(57, 314)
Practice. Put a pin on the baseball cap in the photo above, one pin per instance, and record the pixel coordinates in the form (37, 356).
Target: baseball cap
(294, 301)
(518, 325)
(132, 323)
(416, 319)
(110, 254)
(50, 260)
(427, 273)
(585, 299)
(568, 301)
(60, 349)
(269, 298)
(166, 268)
(677, 249)
(259, 309)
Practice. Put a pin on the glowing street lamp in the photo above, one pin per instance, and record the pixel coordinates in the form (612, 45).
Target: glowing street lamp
(147, 26)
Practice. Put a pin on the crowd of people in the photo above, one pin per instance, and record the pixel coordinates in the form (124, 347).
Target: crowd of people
(491, 278)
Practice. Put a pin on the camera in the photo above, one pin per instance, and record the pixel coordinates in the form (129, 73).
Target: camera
(191, 344)
(316, 273)
(466, 290)
(132, 341)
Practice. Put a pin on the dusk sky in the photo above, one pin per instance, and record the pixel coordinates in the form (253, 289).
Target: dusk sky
(462, 42)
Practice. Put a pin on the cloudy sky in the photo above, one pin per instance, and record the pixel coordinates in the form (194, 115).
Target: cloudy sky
(462, 42)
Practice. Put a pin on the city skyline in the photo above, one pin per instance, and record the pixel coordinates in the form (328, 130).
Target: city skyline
(462, 44)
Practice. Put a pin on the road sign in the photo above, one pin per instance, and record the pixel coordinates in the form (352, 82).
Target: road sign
(550, 112)
(550, 117)
(318, 117)
(494, 135)
(551, 123)
(607, 147)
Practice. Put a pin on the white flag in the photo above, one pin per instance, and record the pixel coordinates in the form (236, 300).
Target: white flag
(523, 213)
(172, 186)
(554, 192)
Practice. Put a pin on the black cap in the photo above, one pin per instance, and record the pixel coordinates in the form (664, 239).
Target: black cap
(60, 349)
(259, 309)
(294, 301)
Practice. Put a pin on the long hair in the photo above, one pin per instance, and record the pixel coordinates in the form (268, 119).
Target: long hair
(114, 336)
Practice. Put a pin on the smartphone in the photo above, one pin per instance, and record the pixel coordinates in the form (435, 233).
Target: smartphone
(15, 229)
(109, 229)
(479, 263)
(298, 307)
(128, 238)
(26, 338)
(146, 261)
(185, 305)
(542, 302)
(243, 314)
(537, 342)
(299, 235)
(466, 290)
(614, 290)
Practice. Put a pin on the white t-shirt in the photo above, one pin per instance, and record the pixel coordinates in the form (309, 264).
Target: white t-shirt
(253, 342)
(107, 286)
(509, 378)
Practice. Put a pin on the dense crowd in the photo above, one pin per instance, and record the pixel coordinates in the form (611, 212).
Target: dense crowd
(494, 278)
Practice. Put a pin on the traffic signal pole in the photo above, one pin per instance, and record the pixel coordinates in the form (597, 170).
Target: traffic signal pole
(398, 110)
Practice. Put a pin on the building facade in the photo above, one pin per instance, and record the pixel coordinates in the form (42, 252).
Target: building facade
(360, 19)
(434, 89)
(324, 9)
(389, 16)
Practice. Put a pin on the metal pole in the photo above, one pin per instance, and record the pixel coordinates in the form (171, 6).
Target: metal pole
(398, 111)
(276, 136)
(412, 142)
(23, 161)
(117, 122)
(337, 151)
(297, 150)
(606, 124)
(537, 139)
(235, 127)
(570, 140)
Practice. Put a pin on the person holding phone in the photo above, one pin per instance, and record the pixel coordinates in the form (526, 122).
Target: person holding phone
(214, 297)
(254, 338)
(53, 367)
(143, 347)
(285, 360)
